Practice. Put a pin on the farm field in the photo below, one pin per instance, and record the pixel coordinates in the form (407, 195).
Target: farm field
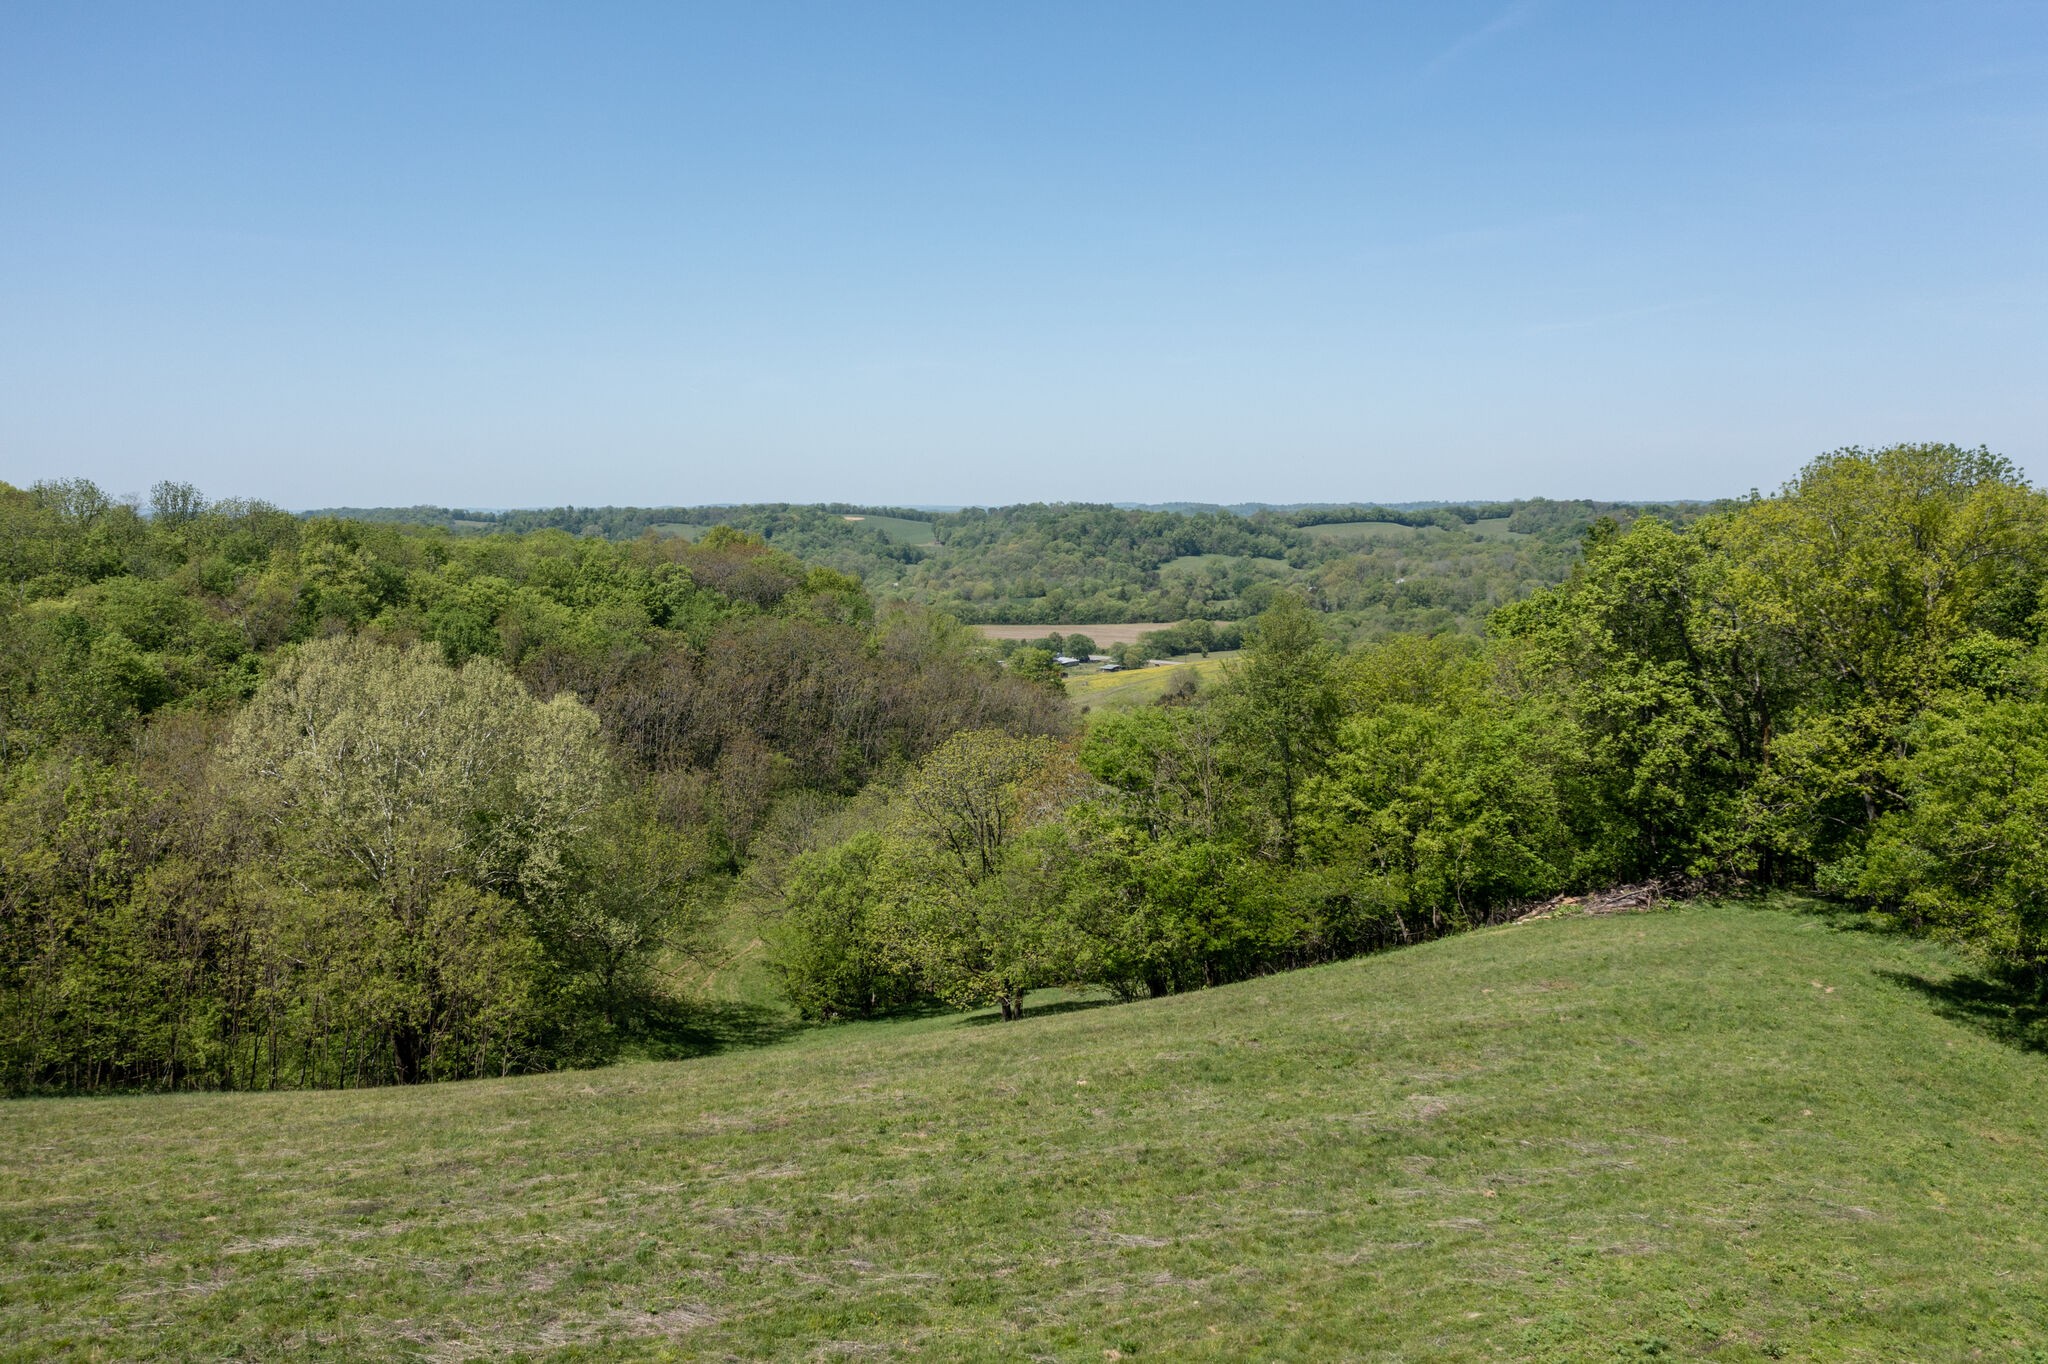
(1100, 691)
(900, 530)
(1101, 634)
(1735, 1131)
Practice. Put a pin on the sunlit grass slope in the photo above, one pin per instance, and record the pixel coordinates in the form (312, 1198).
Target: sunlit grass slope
(1100, 691)
(1720, 1131)
(901, 531)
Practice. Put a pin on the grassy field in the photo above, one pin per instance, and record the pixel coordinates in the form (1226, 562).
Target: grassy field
(901, 530)
(1371, 532)
(1100, 691)
(1723, 1131)
(1495, 529)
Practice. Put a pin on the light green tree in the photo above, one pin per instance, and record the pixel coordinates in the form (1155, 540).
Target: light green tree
(427, 825)
(972, 899)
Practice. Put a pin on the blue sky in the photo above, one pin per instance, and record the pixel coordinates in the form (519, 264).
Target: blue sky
(516, 254)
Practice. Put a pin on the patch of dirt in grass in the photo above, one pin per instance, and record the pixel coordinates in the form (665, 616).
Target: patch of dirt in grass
(783, 1171)
(459, 1344)
(637, 1325)
(1374, 1249)
(253, 1245)
(834, 1349)
(732, 1218)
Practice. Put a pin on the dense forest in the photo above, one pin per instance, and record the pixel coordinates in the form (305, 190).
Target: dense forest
(325, 802)
(1371, 570)
(318, 801)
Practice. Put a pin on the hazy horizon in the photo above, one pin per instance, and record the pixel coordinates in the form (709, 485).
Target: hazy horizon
(901, 254)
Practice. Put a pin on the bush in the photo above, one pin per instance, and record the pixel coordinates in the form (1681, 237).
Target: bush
(827, 946)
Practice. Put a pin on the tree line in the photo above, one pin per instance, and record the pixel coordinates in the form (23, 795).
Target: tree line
(1840, 688)
(318, 802)
(293, 801)
(1059, 563)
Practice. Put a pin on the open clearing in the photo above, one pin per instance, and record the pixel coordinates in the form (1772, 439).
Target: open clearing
(1101, 634)
(1100, 691)
(900, 530)
(1727, 1131)
(1496, 528)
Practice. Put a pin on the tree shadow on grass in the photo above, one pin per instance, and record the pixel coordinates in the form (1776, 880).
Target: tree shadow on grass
(2006, 1013)
(1836, 914)
(1031, 1011)
(672, 1032)
(675, 1031)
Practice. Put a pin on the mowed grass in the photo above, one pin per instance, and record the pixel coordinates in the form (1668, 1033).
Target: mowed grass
(1100, 691)
(901, 530)
(1721, 1131)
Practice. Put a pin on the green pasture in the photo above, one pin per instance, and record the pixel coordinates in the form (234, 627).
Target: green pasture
(1496, 528)
(901, 530)
(1101, 691)
(1729, 1131)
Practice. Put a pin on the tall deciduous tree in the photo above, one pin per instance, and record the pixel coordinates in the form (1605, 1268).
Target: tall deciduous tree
(427, 826)
(1282, 707)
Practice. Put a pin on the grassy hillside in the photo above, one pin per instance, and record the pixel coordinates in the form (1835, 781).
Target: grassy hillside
(899, 530)
(1722, 1131)
(1100, 691)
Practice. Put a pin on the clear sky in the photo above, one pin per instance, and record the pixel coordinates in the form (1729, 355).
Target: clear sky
(516, 254)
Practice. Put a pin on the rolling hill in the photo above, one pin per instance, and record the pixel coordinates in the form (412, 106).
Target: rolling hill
(1735, 1131)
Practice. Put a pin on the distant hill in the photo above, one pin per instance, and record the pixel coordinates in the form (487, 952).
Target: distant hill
(1374, 569)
